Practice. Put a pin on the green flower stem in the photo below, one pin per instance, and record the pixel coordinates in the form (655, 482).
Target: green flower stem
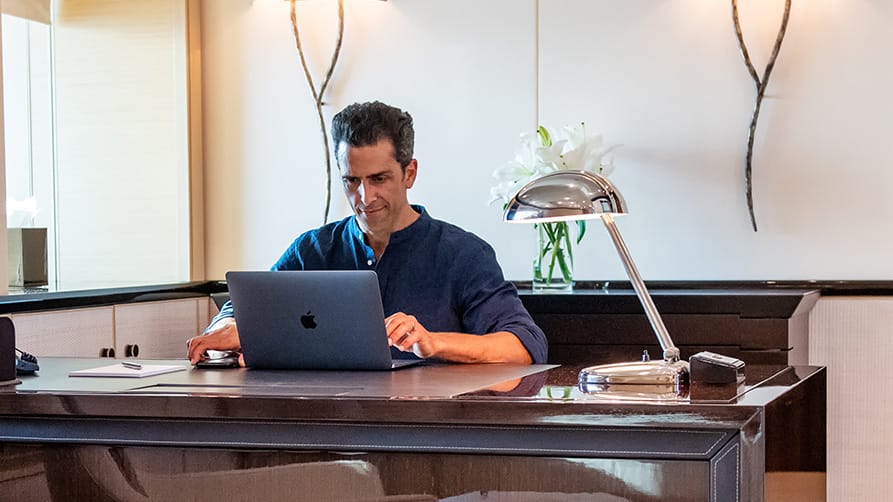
(551, 233)
(559, 248)
(567, 242)
(554, 238)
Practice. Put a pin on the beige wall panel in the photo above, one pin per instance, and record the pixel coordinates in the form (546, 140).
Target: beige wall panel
(851, 336)
(73, 333)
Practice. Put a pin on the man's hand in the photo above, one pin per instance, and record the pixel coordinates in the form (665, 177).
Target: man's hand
(223, 336)
(407, 334)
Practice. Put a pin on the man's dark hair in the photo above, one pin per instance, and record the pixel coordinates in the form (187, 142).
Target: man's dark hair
(365, 124)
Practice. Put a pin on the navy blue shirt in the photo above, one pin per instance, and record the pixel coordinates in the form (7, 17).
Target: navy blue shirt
(447, 278)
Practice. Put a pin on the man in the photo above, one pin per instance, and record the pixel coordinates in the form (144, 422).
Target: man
(441, 287)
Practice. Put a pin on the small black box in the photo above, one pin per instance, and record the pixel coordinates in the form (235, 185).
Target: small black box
(707, 367)
(7, 351)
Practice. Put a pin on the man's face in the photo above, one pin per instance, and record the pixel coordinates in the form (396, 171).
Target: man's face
(375, 185)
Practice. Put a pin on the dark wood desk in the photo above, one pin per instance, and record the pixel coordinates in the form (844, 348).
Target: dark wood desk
(440, 432)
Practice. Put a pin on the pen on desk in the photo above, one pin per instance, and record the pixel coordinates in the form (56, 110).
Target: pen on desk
(132, 365)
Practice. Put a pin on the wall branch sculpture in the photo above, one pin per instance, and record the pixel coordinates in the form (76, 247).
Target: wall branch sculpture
(761, 84)
(318, 96)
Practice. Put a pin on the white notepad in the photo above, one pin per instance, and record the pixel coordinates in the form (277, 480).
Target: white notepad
(121, 371)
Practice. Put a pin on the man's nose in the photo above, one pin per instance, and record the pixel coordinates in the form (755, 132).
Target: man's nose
(366, 192)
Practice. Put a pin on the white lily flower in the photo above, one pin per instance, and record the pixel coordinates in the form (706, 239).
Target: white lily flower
(606, 167)
(549, 157)
(546, 152)
(512, 171)
(500, 192)
(540, 154)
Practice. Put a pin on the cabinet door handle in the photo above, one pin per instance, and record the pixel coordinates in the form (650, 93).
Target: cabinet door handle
(131, 350)
(107, 352)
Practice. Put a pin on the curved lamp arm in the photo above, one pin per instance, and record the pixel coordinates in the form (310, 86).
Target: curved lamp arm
(671, 353)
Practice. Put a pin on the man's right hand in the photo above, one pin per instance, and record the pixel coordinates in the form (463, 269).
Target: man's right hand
(222, 336)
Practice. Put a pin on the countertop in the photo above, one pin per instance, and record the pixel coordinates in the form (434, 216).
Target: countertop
(759, 299)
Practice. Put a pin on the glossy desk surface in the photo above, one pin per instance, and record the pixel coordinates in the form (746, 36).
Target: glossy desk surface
(509, 394)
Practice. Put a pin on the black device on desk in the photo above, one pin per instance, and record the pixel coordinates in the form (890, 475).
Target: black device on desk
(12, 360)
(8, 359)
(218, 359)
(26, 364)
(708, 367)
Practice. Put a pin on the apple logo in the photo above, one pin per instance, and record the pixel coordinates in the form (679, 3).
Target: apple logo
(308, 320)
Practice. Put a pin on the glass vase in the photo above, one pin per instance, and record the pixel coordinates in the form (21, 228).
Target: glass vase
(553, 266)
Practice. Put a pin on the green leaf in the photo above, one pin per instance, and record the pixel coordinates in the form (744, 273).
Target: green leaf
(581, 230)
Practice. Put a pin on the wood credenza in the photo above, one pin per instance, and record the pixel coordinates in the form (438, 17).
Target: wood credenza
(596, 325)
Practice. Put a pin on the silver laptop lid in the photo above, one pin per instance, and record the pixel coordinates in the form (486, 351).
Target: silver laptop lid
(329, 319)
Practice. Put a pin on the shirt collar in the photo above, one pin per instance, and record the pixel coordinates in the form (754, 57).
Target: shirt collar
(415, 228)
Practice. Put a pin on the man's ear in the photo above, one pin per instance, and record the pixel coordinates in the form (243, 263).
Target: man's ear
(409, 174)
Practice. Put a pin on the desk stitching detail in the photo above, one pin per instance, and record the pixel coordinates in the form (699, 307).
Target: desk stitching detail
(674, 432)
(734, 448)
(342, 446)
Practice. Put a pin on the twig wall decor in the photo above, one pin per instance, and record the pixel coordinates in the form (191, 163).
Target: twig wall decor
(761, 84)
(318, 96)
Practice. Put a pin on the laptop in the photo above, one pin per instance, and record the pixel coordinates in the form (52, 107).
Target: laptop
(320, 320)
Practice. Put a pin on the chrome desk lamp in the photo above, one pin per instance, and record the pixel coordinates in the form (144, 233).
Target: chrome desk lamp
(580, 195)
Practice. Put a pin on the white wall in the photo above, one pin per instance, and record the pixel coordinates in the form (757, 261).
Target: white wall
(662, 77)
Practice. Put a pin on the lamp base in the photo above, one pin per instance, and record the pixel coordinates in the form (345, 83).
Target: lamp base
(663, 375)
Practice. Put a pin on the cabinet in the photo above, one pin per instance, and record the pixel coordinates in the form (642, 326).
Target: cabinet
(158, 330)
(153, 330)
(756, 325)
(76, 332)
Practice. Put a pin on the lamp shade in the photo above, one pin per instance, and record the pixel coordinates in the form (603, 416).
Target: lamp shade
(565, 196)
